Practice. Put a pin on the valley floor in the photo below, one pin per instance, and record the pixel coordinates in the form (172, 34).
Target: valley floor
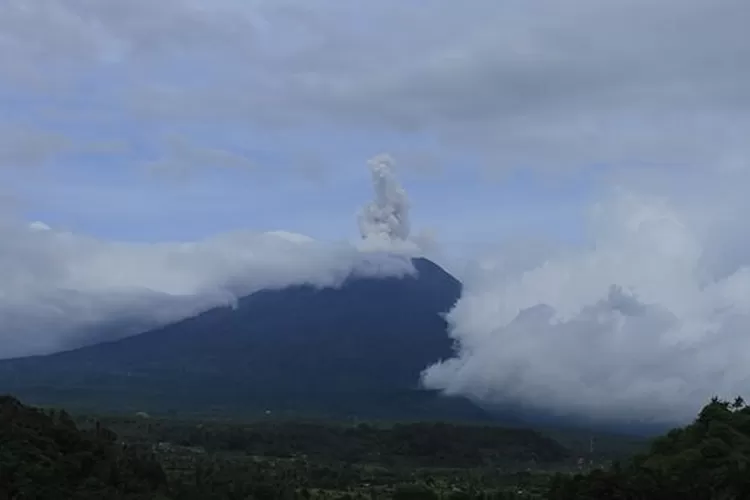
(296, 459)
(46, 454)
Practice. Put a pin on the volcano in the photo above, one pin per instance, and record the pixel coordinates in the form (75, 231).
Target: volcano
(353, 351)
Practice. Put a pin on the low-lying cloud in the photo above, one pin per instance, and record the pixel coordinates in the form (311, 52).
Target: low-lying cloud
(638, 324)
(60, 290)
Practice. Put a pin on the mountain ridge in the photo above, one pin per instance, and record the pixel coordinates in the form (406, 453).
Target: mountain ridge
(353, 350)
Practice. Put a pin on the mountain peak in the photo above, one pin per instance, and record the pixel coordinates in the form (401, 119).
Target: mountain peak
(356, 349)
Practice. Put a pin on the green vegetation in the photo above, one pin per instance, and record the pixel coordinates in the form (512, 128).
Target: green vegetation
(293, 459)
(44, 456)
(49, 455)
(419, 444)
(709, 459)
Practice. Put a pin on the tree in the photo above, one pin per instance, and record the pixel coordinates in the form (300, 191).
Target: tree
(707, 459)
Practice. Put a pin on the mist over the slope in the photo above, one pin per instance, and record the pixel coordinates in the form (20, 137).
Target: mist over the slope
(59, 290)
(644, 322)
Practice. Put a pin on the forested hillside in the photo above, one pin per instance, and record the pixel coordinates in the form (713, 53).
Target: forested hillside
(707, 460)
(43, 455)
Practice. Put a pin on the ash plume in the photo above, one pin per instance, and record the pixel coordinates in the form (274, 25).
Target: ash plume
(386, 217)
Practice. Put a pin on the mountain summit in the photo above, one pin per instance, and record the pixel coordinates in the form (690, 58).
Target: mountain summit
(356, 350)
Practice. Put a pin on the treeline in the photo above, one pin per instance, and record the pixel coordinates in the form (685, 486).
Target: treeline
(706, 460)
(225, 479)
(416, 444)
(43, 455)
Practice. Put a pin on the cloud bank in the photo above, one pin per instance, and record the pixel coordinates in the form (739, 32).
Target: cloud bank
(643, 322)
(542, 85)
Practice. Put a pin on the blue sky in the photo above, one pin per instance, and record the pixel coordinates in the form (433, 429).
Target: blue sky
(586, 158)
(263, 115)
(121, 202)
(309, 178)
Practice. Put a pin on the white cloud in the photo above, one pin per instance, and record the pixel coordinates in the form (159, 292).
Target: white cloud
(638, 324)
(59, 290)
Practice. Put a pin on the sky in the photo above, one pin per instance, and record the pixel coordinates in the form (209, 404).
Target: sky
(582, 166)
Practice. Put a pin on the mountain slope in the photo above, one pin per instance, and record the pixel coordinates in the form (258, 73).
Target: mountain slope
(356, 350)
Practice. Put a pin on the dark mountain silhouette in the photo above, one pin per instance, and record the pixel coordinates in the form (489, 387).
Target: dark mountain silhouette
(352, 351)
